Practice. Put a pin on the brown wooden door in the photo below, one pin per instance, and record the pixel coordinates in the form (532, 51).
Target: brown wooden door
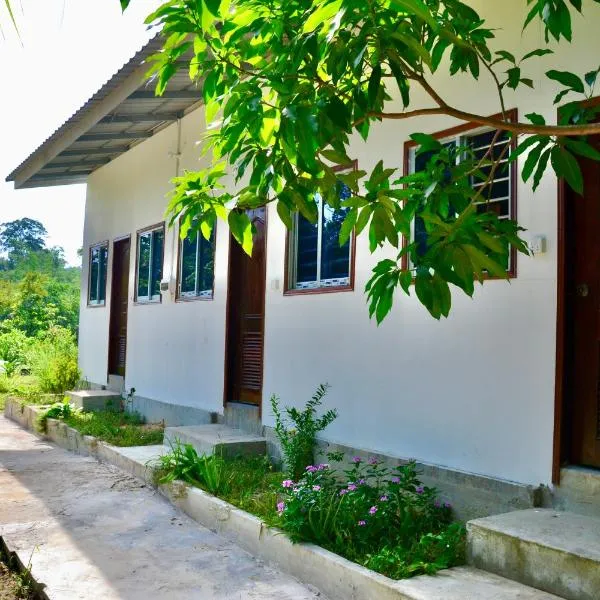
(245, 318)
(583, 289)
(117, 343)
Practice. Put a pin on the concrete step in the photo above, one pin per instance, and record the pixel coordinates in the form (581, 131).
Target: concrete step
(548, 550)
(217, 439)
(578, 492)
(95, 399)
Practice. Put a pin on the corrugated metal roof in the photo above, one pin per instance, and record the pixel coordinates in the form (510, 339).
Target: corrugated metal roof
(123, 112)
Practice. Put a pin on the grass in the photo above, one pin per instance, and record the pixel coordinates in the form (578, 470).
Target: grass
(250, 483)
(15, 583)
(25, 388)
(117, 428)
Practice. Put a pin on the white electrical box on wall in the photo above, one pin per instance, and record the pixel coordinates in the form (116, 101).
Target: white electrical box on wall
(537, 245)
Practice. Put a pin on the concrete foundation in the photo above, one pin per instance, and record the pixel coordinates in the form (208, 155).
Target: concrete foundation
(549, 550)
(217, 439)
(95, 400)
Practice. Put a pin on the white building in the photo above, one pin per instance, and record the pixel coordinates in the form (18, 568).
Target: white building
(497, 398)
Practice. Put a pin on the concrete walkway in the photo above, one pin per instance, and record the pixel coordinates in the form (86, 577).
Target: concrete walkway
(94, 532)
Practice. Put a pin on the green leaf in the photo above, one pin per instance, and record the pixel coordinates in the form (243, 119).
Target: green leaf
(535, 118)
(374, 84)
(541, 167)
(124, 4)
(566, 165)
(338, 158)
(348, 226)
(567, 79)
(284, 214)
(417, 8)
(532, 160)
(537, 52)
(322, 15)
(241, 229)
(582, 148)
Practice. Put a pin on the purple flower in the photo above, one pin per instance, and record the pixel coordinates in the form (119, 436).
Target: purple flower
(395, 480)
(356, 459)
(362, 523)
(372, 510)
(342, 492)
(437, 503)
(419, 489)
(287, 483)
(447, 505)
(280, 507)
(316, 488)
(311, 469)
(361, 482)
(383, 498)
(351, 487)
(322, 467)
(373, 460)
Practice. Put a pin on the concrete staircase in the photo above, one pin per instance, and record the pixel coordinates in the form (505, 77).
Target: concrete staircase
(556, 552)
(217, 439)
(95, 399)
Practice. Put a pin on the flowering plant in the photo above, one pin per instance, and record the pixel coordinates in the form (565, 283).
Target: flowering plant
(383, 518)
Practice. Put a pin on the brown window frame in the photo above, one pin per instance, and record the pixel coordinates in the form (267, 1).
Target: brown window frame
(140, 232)
(103, 244)
(512, 116)
(290, 291)
(178, 296)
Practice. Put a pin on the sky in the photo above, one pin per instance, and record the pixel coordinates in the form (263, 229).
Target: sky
(66, 52)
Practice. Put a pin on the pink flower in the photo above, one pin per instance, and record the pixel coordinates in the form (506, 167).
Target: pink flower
(311, 469)
(361, 482)
(372, 510)
(356, 459)
(288, 483)
(419, 489)
(383, 498)
(373, 460)
(322, 467)
(342, 492)
(280, 507)
(351, 487)
(395, 480)
(316, 488)
(362, 523)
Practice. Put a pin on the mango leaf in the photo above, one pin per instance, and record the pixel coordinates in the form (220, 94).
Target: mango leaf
(566, 165)
(417, 8)
(322, 15)
(241, 229)
(568, 79)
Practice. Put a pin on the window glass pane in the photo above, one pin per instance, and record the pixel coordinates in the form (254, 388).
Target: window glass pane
(145, 240)
(306, 256)
(157, 262)
(206, 253)
(102, 274)
(94, 273)
(188, 264)
(335, 259)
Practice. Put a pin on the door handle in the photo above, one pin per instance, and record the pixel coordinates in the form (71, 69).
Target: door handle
(582, 290)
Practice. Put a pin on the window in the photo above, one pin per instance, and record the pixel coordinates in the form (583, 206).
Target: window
(196, 266)
(97, 275)
(316, 259)
(150, 247)
(499, 197)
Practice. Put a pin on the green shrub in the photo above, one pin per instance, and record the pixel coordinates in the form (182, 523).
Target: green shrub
(59, 410)
(13, 349)
(53, 359)
(384, 519)
(298, 442)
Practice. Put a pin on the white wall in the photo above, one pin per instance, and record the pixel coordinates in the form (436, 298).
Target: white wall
(174, 349)
(473, 392)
